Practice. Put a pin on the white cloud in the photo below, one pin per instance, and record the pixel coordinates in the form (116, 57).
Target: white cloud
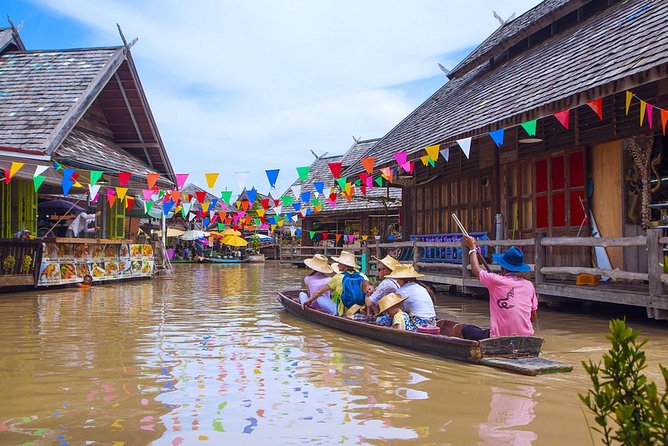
(254, 85)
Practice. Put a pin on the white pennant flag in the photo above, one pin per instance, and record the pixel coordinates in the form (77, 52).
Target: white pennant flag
(186, 207)
(465, 144)
(211, 214)
(278, 209)
(40, 170)
(445, 153)
(241, 179)
(296, 190)
(191, 216)
(93, 190)
(292, 231)
(295, 218)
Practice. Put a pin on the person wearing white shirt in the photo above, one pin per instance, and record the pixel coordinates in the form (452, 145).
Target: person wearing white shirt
(80, 225)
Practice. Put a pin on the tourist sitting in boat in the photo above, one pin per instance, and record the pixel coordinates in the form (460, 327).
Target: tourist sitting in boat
(513, 304)
(391, 305)
(387, 285)
(419, 303)
(345, 286)
(320, 276)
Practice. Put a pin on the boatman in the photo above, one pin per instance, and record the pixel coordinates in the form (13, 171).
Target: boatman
(513, 304)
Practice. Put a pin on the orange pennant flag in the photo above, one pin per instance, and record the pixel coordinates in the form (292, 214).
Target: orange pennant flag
(151, 179)
(597, 106)
(664, 119)
(386, 172)
(175, 196)
(629, 96)
(368, 164)
(121, 191)
(643, 107)
(111, 199)
(245, 204)
(338, 237)
(211, 179)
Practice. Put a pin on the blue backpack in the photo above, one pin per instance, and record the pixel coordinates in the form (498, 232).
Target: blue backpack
(352, 289)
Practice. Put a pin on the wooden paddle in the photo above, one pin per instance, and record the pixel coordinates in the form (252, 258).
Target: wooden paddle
(463, 230)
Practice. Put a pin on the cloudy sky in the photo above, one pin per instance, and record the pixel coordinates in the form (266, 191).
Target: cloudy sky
(255, 85)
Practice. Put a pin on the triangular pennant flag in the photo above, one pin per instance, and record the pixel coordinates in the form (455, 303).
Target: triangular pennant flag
(175, 196)
(363, 189)
(650, 119)
(432, 151)
(296, 190)
(201, 196)
(67, 180)
(287, 200)
(252, 195)
(211, 179)
(147, 193)
(167, 206)
(408, 167)
(191, 216)
(93, 190)
(57, 165)
(325, 235)
(110, 193)
(562, 117)
(297, 206)
(364, 237)
(597, 106)
(303, 172)
(68, 174)
(123, 178)
(386, 173)
(530, 127)
(338, 237)
(241, 179)
(226, 195)
(265, 203)
(400, 157)
(151, 179)
(497, 137)
(643, 107)
(260, 212)
(111, 200)
(311, 234)
(205, 223)
(292, 231)
(319, 186)
(306, 197)
(629, 96)
(424, 159)
(205, 206)
(244, 205)
(379, 181)
(445, 153)
(181, 179)
(278, 209)
(129, 201)
(465, 145)
(148, 205)
(121, 191)
(432, 163)
(335, 168)
(664, 120)
(368, 164)
(14, 168)
(39, 170)
(37, 181)
(272, 176)
(341, 182)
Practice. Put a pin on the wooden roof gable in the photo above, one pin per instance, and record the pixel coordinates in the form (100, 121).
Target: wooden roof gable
(624, 46)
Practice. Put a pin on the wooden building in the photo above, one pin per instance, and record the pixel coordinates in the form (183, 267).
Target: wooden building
(604, 61)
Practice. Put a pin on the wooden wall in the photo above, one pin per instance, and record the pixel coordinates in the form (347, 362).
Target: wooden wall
(606, 204)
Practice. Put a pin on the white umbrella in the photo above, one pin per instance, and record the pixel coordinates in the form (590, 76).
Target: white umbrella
(194, 235)
(171, 232)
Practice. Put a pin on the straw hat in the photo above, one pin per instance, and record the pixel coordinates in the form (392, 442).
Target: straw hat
(388, 301)
(319, 263)
(346, 258)
(402, 271)
(388, 261)
(335, 268)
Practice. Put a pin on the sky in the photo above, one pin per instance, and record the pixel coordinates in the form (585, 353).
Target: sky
(245, 86)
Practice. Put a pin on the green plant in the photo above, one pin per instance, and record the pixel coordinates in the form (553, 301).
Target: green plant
(255, 242)
(628, 409)
(8, 264)
(26, 264)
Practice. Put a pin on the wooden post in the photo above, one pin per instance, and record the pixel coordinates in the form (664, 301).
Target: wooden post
(416, 255)
(539, 258)
(466, 261)
(654, 262)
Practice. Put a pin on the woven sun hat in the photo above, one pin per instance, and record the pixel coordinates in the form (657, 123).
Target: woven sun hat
(388, 301)
(402, 271)
(388, 261)
(319, 263)
(512, 260)
(335, 268)
(346, 258)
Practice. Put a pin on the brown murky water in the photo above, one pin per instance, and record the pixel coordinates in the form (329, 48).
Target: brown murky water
(208, 356)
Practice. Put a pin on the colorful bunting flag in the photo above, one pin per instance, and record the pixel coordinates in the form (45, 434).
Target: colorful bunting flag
(241, 178)
(432, 151)
(341, 182)
(311, 234)
(445, 153)
(147, 193)
(306, 197)
(400, 157)
(465, 145)
(110, 193)
(272, 176)
(67, 180)
(181, 179)
(530, 127)
(148, 205)
(201, 196)
(379, 181)
(424, 159)
(226, 195)
(123, 178)
(335, 168)
(151, 179)
(129, 201)
(497, 137)
(629, 96)
(386, 173)
(368, 164)
(211, 179)
(597, 106)
(319, 186)
(93, 190)
(287, 200)
(664, 119)
(563, 117)
(296, 190)
(39, 170)
(121, 191)
(14, 168)
(111, 200)
(303, 172)
(252, 195)
(37, 181)
(650, 119)
(643, 107)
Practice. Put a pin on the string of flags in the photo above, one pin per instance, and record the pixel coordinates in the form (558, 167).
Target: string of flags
(248, 212)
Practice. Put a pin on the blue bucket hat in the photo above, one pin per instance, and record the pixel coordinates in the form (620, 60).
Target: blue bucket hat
(512, 260)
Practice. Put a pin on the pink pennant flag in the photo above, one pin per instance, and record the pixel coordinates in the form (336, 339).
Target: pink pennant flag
(650, 108)
(408, 167)
(562, 117)
(148, 193)
(400, 157)
(181, 179)
(110, 193)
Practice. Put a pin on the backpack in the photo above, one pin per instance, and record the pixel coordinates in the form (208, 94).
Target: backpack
(352, 289)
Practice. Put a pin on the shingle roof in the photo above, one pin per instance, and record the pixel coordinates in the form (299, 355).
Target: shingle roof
(38, 88)
(357, 151)
(625, 39)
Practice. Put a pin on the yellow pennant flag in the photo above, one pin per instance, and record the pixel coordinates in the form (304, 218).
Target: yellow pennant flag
(205, 206)
(260, 212)
(280, 223)
(121, 191)
(77, 184)
(364, 237)
(425, 159)
(432, 151)
(629, 96)
(273, 227)
(211, 179)
(643, 107)
(14, 168)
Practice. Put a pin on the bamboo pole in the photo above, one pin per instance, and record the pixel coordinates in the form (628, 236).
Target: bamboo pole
(480, 257)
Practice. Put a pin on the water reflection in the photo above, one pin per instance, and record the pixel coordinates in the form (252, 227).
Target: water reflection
(208, 356)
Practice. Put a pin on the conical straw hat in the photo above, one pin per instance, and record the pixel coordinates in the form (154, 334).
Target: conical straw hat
(346, 258)
(388, 261)
(319, 263)
(404, 272)
(389, 300)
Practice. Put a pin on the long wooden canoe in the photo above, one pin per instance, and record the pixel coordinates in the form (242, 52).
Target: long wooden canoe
(520, 354)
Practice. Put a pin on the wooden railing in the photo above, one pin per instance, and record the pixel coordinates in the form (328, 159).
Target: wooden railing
(296, 254)
(19, 262)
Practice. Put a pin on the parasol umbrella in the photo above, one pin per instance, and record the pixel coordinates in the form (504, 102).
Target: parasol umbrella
(234, 240)
(193, 235)
(230, 231)
(59, 205)
(171, 232)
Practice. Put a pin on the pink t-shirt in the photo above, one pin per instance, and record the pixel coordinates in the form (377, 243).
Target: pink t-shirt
(316, 281)
(511, 300)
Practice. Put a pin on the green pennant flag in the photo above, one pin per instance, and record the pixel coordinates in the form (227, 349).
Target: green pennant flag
(358, 183)
(311, 234)
(432, 163)
(530, 127)
(57, 165)
(285, 217)
(303, 172)
(226, 195)
(184, 212)
(342, 182)
(148, 205)
(257, 221)
(379, 181)
(37, 181)
(287, 200)
(161, 193)
(221, 226)
(315, 201)
(95, 176)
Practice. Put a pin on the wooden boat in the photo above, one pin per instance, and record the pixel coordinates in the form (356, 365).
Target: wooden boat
(256, 258)
(217, 260)
(519, 354)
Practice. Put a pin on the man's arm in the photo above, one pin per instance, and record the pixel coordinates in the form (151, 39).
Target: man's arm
(473, 257)
(534, 315)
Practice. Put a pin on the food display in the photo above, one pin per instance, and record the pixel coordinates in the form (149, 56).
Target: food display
(147, 252)
(124, 251)
(125, 268)
(135, 252)
(81, 251)
(111, 252)
(65, 251)
(111, 269)
(146, 267)
(68, 272)
(49, 274)
(97, 271)
(83, 269)
(97, 252)
(51, 251)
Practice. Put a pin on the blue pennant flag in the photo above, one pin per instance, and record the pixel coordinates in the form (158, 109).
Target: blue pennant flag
(306, 197)
(288, 216)
(297, 206)
(67, 181)
(205, 223)
(497, 137)
(252, 194)
(213, 203)
(298, 232)
(272, 176)
(166, 207)
(319, 186)
(308, 211)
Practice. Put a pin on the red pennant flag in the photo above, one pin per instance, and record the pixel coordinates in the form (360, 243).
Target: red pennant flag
(325, 235)
(597, 106)
(151, 179)
(363, 189)
(123, 178)
(664, 119)
(336, 169)
(129, 201)
(201, 196)
(562, 117)
(265, 203)
(368, 164)
(277, 202)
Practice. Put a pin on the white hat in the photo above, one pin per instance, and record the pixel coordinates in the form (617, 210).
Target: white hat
(346, 258)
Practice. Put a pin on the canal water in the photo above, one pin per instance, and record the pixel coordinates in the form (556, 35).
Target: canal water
(208, 356)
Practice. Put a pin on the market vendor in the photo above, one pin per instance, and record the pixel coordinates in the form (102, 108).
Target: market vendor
(80, 226)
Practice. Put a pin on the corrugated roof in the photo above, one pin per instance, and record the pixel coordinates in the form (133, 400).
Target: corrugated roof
(626, 39)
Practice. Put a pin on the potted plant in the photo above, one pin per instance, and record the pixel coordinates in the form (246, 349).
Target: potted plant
(8, 264)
